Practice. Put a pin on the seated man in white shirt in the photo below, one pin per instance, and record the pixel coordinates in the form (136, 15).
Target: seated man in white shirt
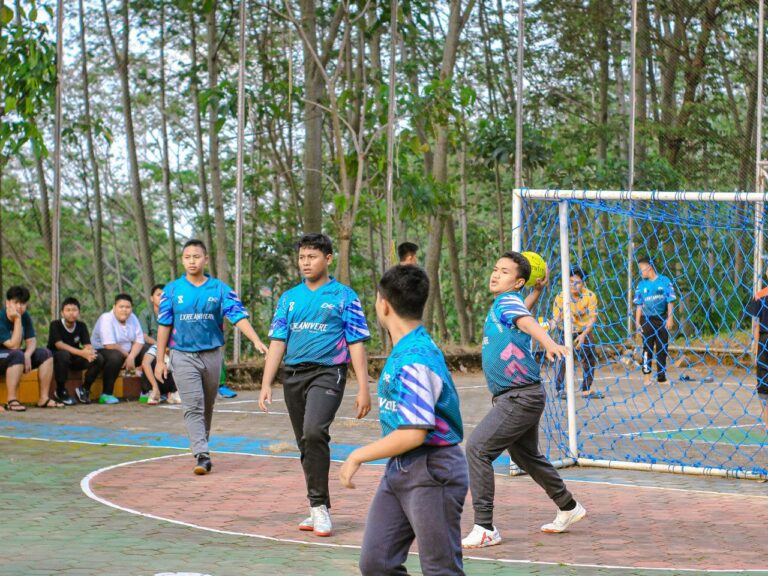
(119, 339)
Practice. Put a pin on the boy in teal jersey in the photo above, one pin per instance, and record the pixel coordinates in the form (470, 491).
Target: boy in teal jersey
(319, 326)
(519, 397)
(191, 322)
(422, 492)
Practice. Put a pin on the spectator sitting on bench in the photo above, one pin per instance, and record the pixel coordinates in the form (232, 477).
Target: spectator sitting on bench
(16, 328)
(118, 338)
(148, 316)
(151, 388)
(70, 342)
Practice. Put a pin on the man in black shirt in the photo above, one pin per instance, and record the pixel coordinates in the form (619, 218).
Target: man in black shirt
(70, 342)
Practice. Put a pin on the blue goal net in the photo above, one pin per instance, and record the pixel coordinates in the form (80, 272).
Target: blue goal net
(698, 410)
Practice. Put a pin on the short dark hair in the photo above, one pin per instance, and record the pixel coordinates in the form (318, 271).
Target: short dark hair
(18, 293)
(406, 288)
(316, 241)
(646, 260)
(156, 287)
(406, 249)
(523, 266)
(123, 296)
(195, 242)
(71, 301)
(577, 271)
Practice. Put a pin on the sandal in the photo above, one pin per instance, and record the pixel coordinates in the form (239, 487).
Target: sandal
(51, 403)
(15, 406)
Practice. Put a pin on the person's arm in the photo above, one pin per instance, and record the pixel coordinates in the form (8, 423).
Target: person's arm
(116, 347)
(638, 315)
(360, 364)
(14, 342)
(538, 290)
(83, 352)
(670, 316)
(130, 359)
(271, 364)
(163, 333)
(398, 442)
(30, 347)
(529, 325)
(245, 327)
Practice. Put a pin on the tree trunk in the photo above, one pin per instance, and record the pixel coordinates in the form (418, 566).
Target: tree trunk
(45, 212)
(201, 171)
(166, 163)
(458, 285)
(601, 11)
(220, 223)
(122, 64)
(314, 91)
(98, 229)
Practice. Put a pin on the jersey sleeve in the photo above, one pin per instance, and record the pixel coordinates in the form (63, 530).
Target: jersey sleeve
(353, 318)
(278, 330)
(232, 306)
(669, 292)
(419, 389)
(509, 309)
(165, 312)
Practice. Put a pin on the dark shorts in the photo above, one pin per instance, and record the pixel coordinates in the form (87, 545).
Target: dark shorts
(10, 358)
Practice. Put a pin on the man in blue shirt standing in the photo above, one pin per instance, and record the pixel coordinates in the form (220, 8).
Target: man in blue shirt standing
(653, 317)
(319, 326)
(422, 492)
(191, 323)
(519, 398)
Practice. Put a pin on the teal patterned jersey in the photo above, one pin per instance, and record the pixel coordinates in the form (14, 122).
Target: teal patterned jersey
(416, 391)
(507, 358)
(318, 325)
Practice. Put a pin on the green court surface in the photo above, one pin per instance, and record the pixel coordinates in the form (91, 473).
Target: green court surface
(49, 526)
(754, 435)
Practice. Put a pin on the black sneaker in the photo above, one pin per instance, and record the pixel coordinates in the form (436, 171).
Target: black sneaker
(661, 379)
(64, 397)
(83, 395)
(203, 464)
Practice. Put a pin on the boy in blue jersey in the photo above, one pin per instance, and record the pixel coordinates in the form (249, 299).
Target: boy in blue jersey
(422, 492)
(518, 402)
(191, 322)
(319, 326)
(654, 297)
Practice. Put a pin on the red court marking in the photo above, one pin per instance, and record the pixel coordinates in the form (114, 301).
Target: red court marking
(625, 526)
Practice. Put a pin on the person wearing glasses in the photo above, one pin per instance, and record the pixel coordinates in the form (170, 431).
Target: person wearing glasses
(583, 318)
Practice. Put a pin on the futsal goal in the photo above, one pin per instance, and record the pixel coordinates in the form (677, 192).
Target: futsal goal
(706, 418)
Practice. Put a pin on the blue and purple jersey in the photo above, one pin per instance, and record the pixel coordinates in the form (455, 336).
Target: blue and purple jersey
(318, 325)
(196, 313)
(416, 391)
(507, 358)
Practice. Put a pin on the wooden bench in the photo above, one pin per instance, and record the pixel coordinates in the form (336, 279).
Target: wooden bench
(28, 391)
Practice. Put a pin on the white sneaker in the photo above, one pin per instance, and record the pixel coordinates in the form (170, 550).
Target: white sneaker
(308, 524)
(480, 538)
(564, 519)
(321, 521)
(173, 398)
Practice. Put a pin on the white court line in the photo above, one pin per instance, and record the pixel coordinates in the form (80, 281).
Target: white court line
(259, 413)
(85, 486)
(687, 429)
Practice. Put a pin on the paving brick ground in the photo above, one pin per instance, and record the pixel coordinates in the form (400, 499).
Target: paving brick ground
(49, 526)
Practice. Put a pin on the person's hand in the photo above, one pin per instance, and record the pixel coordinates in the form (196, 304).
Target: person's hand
(670, 323)
(89, 354)
(265, 396)
(27, 363)
(161, 372)
(363, 403)
(555, 351)
(130, 362)
(542, 283)
(579, 341)
(260, 346)
(12, 312)
(348, 470)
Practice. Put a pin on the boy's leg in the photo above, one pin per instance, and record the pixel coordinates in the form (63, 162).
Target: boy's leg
(62, 361)
(212, 361)
(505, 422)
(525, 448)
(295, 384)
(388, 534)
(588, 363)
(42, 359)
(93, 370)
(433, 504)
(324, 397)
(113, 363)
(188, 369)
(648, 339)
(13, 361)
(662, 339)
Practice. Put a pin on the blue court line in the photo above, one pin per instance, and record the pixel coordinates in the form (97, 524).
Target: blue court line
(217, 443)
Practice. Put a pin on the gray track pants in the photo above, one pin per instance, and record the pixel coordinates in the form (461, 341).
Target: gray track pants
(197, 378)
(512, 424)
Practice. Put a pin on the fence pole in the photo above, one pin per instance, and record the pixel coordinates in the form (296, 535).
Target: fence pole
(565, 281)
(517, 200)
